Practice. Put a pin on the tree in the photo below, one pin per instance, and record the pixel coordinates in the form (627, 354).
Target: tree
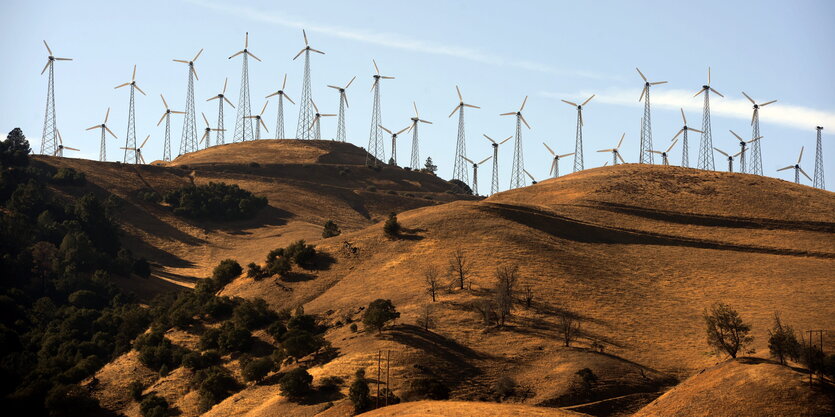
(527, 295)
(459, 267)
(300, 343)
(429, 166)
(14, 151)
(257, 369)
(569, 327)
(726, 332)
(154, 406)
(378, 313)
(331, 229)
(295, 384)
(278, 263)
(582, 385)
(391, 227)
(426, 319)
(360, 393)
(782, 342)
(433, 283)
(506, 278)
(226, 271)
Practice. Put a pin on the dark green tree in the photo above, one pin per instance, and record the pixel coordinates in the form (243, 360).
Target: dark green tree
(359, 392)
(782, 341)
(379, 313)
(295, 384)
(391, 227)
(726, 332)
(330, 230)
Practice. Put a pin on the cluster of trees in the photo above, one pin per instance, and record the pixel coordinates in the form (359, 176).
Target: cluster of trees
(62, 316)
(280, 261)
(215, 201)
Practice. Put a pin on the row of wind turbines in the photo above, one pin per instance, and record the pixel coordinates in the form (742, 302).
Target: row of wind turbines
(248, 127)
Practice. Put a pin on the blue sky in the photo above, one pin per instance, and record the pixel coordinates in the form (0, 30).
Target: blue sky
(497, 52)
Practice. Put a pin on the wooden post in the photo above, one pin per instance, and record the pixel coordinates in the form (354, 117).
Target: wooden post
(388, 366)
(379, 358)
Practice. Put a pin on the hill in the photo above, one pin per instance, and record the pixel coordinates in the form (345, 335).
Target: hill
(634, 253)
(305, 182)
(462, 409)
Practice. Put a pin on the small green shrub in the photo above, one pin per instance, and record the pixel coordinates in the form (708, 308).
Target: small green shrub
(257, 369)
(330, 229)
(215, 201)
(226, 271)
(69, 176)
(154, 406)
(391, 227)
(295, 384)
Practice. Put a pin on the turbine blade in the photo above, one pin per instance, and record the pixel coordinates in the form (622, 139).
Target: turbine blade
(194, 71)
(671, 146)
(749, 98)
(718, 93)
(297, 55)
(454, 110)
(133, 77)
(205, 119)
(264, 108)
(164, 103)
(720, 151)
(484, 160)
(349, 82)
(767, 103)
(273, 94)
(642, 93)
(569, 103)
(198, 55)
(679, 132)
(695, 130)
(227, 100)
(801, 155)
(111, 133)
(381, 127)
(804, 173)
(256, 58)
(121, 85)
(470, 105)
(621, 140)
(317, 51)
(568, 154)
(524, 121)
(549, 149)
(588, 100)
(620, 157)
(264, 125)
(47, 47)
(737, 136)
(467, 159)
(333, 86)
(641, 73)
(74, 149)
(416, 111)
(225, 80)
(246, 40)
(700, 92)
(682, 116)
(288, 98)
(658, 82)
(140, 90)
(523, 103)
(314, 105)
(488, 138)
(401, 130)
(93, 127)
(458, 90)
(506, 139)
(63, 59)
(236, 54)
(553, 166)
(376, 68)
(180, 60)
(107, 115)
(144, 141)
(162, 118)
(606, 150)
(529, 175)
(284, 83)
(508, 113)
(788, 167)
(48, 63)
(304, 33)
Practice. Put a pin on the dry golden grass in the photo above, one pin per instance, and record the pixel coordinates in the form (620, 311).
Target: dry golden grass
(636, 252)
(466, 409)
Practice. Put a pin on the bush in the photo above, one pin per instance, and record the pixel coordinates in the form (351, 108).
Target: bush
(233, 339)
(428, 388)
(254, 271)
(85, 299)
(726, 332)
(149, 196)
(330, 229)
(213, 384)
(391, 227)
(379, 313)
(136, 387)
(277, 330)
(278, 263)
(156, 351)
(504, 387)
(331, 383)
(226, 271)
(295, 384)
(69, 176)
(154, 406)
(300, 343)
(257, 369)
(216, 201)
(196, 361)
(360, 393)
(582, 385)
(353, 327)
(302, 254)
(69, 400)
(304, 322)
(253, 315)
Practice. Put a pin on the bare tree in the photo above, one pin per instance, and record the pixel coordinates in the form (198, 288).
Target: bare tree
(427, 319)
(726, 332)
(569, 327)
(506, 278)
(459, 268)
(433, 283)
(527, 295)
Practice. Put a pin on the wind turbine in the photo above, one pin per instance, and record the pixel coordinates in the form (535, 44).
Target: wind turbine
(137, 157)
(730, 158)
(104, 128)
(742, 148)
(818, 182)
(50, 128)
(343, 103)
(188, 140)
(279, 124)
(646, 122)
(305, 112)
(375, 137)
(315, 125)
(665, 160)
(220, 98)
(555, 165)
(475, 171)
(207, 131)
(685, 158)
(259, 122)
(705, 155)
(516, 178)
(130, 138)
(415, 161)
(59, 152)
(243, 126)
(393, 160)
(756, 152)
(459, 169)
(533, 180)
(797, 169)
(494, 187)
(166, 146)
(578, 144)
(615, 151)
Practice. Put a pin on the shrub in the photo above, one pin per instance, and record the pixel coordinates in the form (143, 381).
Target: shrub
(254, 271)
(277, 330)
(428, 388)
(215, 201)
(252, 315)
(331, 383)
(782, 342)
(461, 187)
(304, 322)
(69, 400)
(295, 384)
(233, 339)
(300, 343)
(330, 229)
(726, 332)
(504, 387)
(278, 263)
(302, 254)
(391, 227)
(209, 338)
(226, 271)
(257, 369)
(213, 384)
(154, 406)
(196, 361)
(353, 327)
(156, 351)
(85, 299)
(69, 176)
(149, 196)
(378, 313)
(582, 385)
(360, 393)
(136, 387)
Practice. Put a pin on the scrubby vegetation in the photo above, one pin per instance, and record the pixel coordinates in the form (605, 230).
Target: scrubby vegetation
(63, 318)
(69, 176)
(391, 227)
(215, 201)
(295, 384)
(330, 229)
(360, 393)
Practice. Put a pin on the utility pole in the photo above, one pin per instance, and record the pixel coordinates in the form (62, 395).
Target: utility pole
(388, 367)
(379, 359)
(811, 346)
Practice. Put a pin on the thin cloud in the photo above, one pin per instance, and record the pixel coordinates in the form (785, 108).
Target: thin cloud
(789, 115)
(391, 40)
